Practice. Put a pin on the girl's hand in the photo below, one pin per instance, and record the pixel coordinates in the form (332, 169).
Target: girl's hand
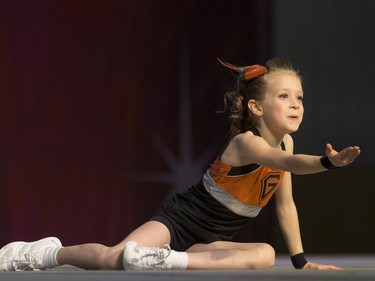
(344, 157)
(317, 266)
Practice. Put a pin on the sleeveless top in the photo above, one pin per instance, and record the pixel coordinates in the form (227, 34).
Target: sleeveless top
(243, 189)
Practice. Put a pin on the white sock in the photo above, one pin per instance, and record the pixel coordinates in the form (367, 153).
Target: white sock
(49, 257)
(177, 260)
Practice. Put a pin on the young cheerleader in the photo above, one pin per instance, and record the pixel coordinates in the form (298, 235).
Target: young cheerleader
(194, 230)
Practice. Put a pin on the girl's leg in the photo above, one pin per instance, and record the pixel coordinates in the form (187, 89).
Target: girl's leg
(216, 255)
(97, 256)
(230, 255)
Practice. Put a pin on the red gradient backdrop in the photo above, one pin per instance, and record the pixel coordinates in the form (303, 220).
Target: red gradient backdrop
(86, 85)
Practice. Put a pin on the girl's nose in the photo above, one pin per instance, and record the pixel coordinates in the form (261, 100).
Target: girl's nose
(294, 103)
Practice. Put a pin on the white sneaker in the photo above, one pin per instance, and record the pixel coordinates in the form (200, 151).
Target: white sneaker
(18, 256)
(139, 258)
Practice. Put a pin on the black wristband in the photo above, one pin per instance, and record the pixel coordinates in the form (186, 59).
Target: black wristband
(326, 163)
(298, 261)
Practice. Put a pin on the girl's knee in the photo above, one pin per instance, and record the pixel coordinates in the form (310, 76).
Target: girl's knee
(266, 256)
(262, 257)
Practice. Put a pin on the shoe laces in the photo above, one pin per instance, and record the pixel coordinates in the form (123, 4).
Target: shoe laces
(161, 252)
(155, 257)
(27, 262)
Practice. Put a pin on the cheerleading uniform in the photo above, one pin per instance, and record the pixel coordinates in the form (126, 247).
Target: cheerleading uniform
(215, 209)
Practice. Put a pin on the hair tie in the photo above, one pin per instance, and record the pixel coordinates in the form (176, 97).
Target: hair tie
(246, 72)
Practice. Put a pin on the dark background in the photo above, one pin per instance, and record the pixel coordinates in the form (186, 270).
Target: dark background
(108, 107)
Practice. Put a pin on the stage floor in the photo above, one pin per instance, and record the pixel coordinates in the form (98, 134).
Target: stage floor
(355, 267)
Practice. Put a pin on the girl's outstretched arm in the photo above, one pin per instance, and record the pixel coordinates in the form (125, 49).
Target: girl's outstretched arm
(254, 149)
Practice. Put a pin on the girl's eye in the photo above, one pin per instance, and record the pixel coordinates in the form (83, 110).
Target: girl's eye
(300, 98)
(284, 96)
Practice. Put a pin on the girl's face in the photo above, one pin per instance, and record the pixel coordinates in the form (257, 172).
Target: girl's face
(282, 107)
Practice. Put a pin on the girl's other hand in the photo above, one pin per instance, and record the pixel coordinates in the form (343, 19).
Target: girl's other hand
(317, 266)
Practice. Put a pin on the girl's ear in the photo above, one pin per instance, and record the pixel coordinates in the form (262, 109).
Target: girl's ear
(255, 107)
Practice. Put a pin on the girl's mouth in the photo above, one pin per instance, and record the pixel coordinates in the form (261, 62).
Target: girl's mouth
(294, 117)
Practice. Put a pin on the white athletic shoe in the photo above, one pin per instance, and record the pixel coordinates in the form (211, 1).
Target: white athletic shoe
(137, 257)
(18, 256)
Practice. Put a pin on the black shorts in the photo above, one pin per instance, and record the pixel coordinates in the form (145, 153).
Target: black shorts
(196, 217)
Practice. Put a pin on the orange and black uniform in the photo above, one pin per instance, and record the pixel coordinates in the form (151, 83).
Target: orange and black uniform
(216, 209)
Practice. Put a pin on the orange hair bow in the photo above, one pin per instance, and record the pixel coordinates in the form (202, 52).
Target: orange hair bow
(247, 72)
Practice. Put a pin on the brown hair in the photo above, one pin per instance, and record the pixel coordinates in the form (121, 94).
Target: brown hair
(235, 101)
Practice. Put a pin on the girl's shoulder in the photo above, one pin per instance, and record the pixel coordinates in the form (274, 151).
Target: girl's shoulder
(233, 154)
(250, 138)
(288, 138)
(246, 135)
(288, 142)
